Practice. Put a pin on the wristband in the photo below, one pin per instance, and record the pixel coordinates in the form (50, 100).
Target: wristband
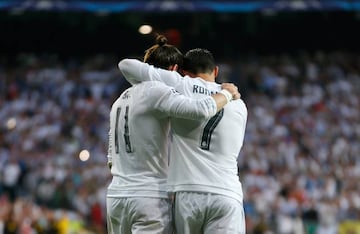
(227, 94)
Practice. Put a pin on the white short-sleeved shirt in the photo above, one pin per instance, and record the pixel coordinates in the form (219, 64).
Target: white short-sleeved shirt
(203, 152)
(138, 136)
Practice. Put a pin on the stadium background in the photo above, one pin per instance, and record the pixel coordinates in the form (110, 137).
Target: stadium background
(297, 65)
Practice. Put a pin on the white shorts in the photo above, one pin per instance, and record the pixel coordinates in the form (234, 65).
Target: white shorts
(196, 213)
(139, 215)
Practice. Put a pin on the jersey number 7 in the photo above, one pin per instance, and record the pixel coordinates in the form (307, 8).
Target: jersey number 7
(209, 129)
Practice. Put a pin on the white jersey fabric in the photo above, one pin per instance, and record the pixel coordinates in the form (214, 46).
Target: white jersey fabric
(203, 152)
(139, 128)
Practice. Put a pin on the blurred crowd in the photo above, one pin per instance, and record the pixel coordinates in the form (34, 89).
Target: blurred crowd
(299, 166)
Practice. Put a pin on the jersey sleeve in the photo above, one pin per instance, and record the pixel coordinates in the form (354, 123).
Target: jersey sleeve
(136, 71)
(167, 100)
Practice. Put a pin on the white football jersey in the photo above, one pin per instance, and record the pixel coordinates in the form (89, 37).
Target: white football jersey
(138, 136)
(203, 152)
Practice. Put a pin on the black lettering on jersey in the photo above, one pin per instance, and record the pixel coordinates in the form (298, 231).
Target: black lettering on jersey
(127, 132)
(202, 90)
(195, 89)
(209, 129)
(128, 147)
(117, 148)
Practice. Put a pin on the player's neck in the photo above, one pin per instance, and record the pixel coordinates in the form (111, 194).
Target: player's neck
(206, 76)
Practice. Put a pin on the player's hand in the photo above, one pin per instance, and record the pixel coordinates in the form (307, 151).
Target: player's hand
(233, 89)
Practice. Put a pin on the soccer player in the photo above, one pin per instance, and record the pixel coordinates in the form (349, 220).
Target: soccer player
(137, 199)
(203, 171)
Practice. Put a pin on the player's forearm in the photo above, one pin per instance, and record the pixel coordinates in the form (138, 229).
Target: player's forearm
(130, 69)
(222, 98)
(136, 71)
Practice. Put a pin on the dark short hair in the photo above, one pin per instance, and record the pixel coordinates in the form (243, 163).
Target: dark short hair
(163, 55)
(199, 61)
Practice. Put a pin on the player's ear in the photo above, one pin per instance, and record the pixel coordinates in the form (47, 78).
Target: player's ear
(173, 67)
(216, 71)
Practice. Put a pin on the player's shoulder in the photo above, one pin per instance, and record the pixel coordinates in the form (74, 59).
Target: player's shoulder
(240, 102)
(240, 105)
(119, 100)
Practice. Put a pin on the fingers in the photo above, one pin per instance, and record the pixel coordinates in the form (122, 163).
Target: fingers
(233, 89)
(237, 96)
(230, 87)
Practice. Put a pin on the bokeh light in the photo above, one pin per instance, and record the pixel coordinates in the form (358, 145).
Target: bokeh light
(145, 29)
(11, 123)
(84, 155)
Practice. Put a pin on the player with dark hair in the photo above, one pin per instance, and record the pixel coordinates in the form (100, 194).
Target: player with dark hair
(137, 198)
(203, 171)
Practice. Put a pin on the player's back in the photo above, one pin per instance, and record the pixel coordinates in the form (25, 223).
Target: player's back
(139, 155)
(204, 153)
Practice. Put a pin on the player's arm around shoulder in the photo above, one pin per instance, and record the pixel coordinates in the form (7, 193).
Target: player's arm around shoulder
(136, 71)
(167, 100)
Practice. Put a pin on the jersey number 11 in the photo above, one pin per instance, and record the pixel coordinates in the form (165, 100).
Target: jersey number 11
(126, 131)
